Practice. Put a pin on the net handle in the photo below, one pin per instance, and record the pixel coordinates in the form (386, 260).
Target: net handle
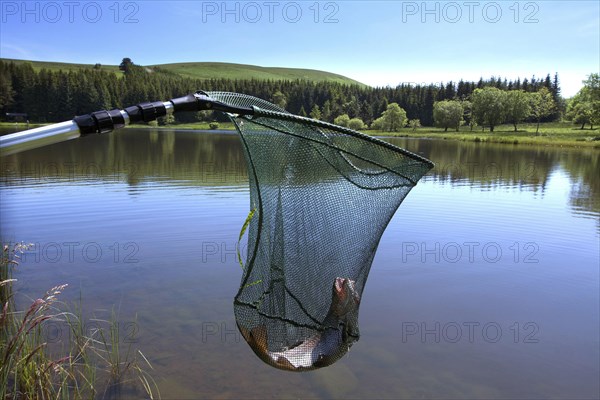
(106, 121)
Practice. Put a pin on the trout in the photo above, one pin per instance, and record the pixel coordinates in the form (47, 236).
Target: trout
(325, 347)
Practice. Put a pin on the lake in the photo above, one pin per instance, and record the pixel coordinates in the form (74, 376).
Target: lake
(485, 283)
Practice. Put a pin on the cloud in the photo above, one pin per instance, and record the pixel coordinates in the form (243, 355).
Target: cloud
(8, 50)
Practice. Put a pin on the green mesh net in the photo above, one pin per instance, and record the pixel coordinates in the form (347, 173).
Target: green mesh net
(320, 198)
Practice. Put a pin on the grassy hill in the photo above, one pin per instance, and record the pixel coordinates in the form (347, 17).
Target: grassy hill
(209, 70)
(55, 66)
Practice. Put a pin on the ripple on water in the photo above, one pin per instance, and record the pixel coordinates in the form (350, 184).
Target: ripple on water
(188, 198)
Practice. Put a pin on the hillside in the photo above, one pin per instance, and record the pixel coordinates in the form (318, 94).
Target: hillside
(55, 66)
(210, 70)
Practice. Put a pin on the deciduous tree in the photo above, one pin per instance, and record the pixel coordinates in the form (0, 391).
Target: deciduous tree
(488, 106)
(518, 106)
(125, 65)
(591, 90)
(579, 111)
(392, 119)
(542, 105)
(584, 107)
(356, 124)
(414, 124)
(448, 114)
(342, 120)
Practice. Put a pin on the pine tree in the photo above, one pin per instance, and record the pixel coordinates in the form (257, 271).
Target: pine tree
(326, 114)
(315, 113)
(6, 90)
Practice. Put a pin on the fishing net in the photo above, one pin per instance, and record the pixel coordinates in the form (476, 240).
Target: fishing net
(320, 198)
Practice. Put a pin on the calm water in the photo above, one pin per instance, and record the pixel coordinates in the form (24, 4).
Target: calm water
(485, 284)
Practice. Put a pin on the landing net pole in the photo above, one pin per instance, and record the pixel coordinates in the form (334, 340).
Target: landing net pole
(106, 121)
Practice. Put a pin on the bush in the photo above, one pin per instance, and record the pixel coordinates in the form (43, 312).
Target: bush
(168, 119)
(356, 124)
(342, 120)
(377, 125)
(213, 125)
(414, 124)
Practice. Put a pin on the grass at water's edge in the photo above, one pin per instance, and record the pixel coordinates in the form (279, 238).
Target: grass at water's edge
(12, 127)
(550, 134)
(89, 364)
(196, 126)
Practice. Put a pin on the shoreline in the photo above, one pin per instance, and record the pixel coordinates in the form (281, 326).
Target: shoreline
(508, 138)
(550, 134)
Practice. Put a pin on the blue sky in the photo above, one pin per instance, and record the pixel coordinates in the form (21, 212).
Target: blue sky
(376, 42)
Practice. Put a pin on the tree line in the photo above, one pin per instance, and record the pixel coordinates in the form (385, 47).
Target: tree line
(491, 107)
(54, 96)
(584, 107)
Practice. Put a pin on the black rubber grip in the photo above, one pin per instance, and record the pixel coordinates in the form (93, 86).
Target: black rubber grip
(185, 103)
(151, 111)
(117, 118)
(148, 111)
(99, 121)
(86, 124)
(104, 122)
(135, 114)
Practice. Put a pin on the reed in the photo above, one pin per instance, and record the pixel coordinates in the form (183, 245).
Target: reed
(89, 364)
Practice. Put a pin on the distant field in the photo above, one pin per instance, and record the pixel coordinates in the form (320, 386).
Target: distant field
(55, 66)
(210, 70)
(551, 133)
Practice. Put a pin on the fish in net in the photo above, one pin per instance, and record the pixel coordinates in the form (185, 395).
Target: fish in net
(320, 198)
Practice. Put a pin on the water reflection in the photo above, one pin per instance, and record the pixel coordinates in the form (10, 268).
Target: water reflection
(140, 157)
(528, 168)
(182, 197)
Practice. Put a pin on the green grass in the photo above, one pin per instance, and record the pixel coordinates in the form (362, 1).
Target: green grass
(200, 126)
(90, 364)
(227, 126)
(553, 133)
(56, 66)
(210, 70)
(20, 126)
